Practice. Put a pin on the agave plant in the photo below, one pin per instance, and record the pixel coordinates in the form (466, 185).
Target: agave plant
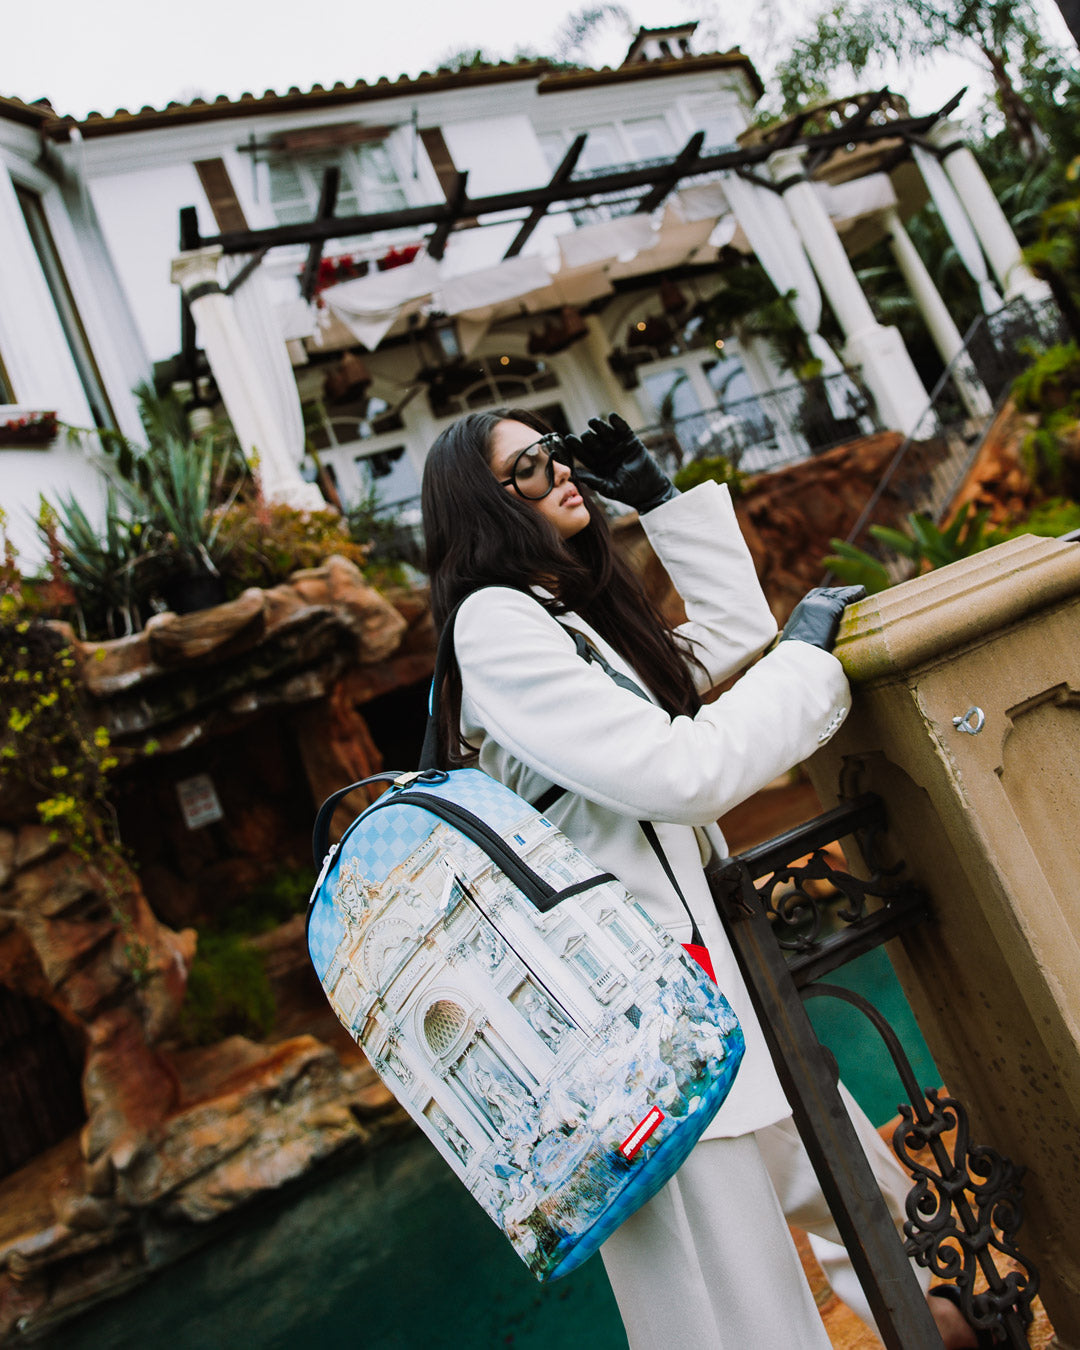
(102, 565)
(926, 545)
(181, 496)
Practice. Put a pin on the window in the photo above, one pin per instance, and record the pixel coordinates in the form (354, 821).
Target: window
(490, 381)
(588, 963)
(368, 183)
(93, 386)
(721, 131)
(649, 137)
(349, 420)
(610, 144)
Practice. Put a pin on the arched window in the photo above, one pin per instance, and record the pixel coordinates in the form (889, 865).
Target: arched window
(487, 382)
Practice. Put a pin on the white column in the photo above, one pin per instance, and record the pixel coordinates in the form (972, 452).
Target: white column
(878, 352)
(939, 321)
(987, 218)
(238, 377)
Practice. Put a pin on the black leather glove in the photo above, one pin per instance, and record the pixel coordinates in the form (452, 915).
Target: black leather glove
(816, 618)
(611, 460)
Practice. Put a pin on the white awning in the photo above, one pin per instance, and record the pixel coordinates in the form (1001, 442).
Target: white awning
(369, 306)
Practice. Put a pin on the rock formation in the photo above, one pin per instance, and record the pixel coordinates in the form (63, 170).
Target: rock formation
(174, 1137)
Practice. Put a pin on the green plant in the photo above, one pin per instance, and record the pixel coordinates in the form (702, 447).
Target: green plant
(1051, 383)
(1052, 518)
(380, 535)
(53, 754)
(273, 902)
(716, 469)
(264, 544)
(929, 546)
(1050, 387)
(228, 992)
(925, 544)
(1055, 255)
(750, 303)
(184, 483)
(102, 566)
(855, 567)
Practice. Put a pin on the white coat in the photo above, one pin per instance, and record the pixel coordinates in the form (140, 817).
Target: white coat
(541, 715)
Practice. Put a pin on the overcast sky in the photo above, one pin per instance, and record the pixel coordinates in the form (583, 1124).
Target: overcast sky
(126, 53)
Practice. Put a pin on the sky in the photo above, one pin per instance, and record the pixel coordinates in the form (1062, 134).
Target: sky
(129, 53)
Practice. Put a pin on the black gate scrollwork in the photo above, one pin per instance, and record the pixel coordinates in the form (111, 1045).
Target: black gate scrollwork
(793, 916)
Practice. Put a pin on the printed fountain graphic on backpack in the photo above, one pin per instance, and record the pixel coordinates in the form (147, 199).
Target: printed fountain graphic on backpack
(556, 1045)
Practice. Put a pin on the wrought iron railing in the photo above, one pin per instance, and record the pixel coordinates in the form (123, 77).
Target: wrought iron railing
(768, 430)
(930, 465)
(965, 1203)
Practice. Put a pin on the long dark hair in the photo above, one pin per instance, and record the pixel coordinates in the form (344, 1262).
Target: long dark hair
(478, 534)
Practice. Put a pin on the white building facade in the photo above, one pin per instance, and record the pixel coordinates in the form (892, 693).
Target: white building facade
(597, 310)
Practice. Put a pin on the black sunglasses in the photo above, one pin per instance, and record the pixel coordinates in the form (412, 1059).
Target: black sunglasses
(532, 474)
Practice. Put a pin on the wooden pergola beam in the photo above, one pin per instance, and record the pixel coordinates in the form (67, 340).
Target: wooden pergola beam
(687, 155)
(561, 175)
(455, 200)
(327, 201)
(599, 185)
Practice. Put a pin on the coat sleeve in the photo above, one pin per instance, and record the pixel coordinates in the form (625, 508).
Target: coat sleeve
(697, 538)
(525, 686)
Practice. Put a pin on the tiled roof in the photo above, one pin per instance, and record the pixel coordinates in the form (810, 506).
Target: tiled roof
(550, 78)
(649, 70)
(30, 114)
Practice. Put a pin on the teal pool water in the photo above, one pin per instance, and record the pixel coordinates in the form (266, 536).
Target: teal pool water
(391, 1253)
(865, 1065)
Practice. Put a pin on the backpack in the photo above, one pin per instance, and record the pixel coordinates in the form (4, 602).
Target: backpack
(557, 1046)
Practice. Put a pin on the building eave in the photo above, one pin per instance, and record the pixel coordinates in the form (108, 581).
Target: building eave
(294, 100)
(28, 114)
(559, 81)
(549, 80)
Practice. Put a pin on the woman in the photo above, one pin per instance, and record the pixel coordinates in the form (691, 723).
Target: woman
(514, 536)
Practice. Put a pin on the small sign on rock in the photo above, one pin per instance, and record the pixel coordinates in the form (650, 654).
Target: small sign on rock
(199, 801)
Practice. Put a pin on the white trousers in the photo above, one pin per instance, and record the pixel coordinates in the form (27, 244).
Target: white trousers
(708, 1263)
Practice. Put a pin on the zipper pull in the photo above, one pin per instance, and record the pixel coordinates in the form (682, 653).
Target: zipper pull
(326, 864)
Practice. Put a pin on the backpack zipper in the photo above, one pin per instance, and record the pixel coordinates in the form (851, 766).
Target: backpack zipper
(538, 891)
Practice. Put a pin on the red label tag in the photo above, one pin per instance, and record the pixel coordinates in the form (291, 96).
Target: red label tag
(702, 957)
(640, 1133)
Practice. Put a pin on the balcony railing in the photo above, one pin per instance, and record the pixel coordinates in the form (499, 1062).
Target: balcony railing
(768, 430)
(930, 465)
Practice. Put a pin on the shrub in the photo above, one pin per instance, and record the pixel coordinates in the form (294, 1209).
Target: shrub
(717, 469)
(1052, 382)
(265, 543)
(1052, 518)
(273, 902)
(228, 992)
(925, 544)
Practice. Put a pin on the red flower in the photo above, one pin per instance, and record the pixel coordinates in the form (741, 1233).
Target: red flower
(398, 257)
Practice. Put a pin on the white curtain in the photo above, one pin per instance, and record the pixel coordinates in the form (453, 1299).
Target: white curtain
(261, 324)
(957, 225)
(772, 235)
